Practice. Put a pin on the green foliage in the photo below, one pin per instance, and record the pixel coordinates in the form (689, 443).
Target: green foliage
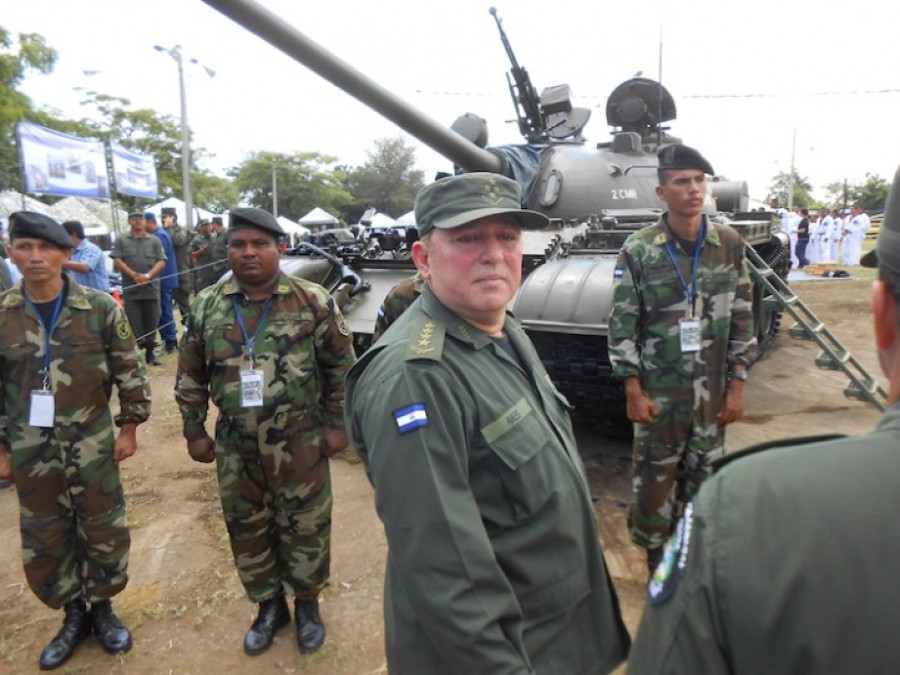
(781, 188)
(872, 193)
(214, 193)
(17, 57)
(304, 181)
(389, 181)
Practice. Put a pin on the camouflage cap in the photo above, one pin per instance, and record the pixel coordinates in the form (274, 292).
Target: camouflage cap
(886, 253)
(459, 200)
(31, 225)
(247, 216)
(135, 214)
(683, 157)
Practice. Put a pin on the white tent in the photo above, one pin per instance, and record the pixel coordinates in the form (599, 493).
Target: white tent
(407, 219)
(89, 211)
(320, 218)
(179, 206)
(295, 231)
(380, 220)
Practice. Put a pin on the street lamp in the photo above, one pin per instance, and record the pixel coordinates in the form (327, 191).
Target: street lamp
(175, 53)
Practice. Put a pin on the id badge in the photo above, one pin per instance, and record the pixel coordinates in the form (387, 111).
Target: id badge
(42, 409)
(251, 388)
(690, 335)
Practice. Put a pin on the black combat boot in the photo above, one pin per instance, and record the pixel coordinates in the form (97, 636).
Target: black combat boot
(171, 346)
(76, 626)
(310, 629)
(152, 359)
(114, 637)
(273, 615)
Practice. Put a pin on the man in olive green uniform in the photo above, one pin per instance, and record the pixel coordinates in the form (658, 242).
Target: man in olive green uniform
(202, 256)
(397, 301)
(783, 564)
(139, 256)
(181, 241)
(62, 347)
(219, 248)
(494, 563)
(681, 337)
(272, 352)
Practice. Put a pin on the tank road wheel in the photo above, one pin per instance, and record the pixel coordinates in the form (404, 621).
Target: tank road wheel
(767, 315)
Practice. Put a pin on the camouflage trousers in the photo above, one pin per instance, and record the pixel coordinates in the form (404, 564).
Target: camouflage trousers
(75, 538)
(275, 488)
(671, 460)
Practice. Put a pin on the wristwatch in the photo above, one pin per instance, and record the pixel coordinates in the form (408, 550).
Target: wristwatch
(738, 375)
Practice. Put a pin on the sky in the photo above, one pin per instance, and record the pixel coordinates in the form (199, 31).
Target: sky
(756, 85)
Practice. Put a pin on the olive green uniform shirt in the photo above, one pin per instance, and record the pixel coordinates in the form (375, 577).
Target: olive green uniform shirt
(494, 564)
(140, 254)
(786, 566)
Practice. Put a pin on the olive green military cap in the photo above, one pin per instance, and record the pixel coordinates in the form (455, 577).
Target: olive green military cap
(683, 157)
(459, 200)
(886, 253)
(31, 225)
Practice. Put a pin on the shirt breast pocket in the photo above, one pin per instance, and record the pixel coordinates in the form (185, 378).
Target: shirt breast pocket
(523, 465)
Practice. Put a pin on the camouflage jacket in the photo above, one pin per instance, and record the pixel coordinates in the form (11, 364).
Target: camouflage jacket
(91, 348)
(649, 300)
(5, 277)
(304, 350)
(398, 299)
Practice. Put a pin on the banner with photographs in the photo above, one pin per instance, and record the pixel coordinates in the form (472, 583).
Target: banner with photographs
(54, 163)
(135, 173)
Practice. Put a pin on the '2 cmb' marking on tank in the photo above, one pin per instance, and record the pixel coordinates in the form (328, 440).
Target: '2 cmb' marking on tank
(623, 193)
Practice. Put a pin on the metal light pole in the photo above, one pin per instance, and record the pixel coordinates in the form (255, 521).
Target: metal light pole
(175, 53)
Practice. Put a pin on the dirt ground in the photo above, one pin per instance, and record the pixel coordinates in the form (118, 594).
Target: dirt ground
(187, 609)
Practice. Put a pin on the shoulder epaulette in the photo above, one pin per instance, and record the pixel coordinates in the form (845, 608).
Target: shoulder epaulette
(426, 340)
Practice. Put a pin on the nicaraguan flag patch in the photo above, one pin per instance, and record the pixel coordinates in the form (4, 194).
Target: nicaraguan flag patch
(411, 417)
(617, 274)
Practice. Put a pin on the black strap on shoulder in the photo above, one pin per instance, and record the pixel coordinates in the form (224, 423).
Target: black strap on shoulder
(718, 464)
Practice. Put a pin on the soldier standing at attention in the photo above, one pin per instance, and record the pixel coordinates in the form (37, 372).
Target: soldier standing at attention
(782, 565)
(181, 242)
(139, 256)
(62, 347)
(681, 337)
(494, 563)
(272, 352)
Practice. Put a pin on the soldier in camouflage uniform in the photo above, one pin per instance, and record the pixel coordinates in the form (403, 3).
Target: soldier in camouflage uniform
(272, 352)
(397, 301)
(219, 248)
(681, 337)
(202, 256)
(181, 241)
(62, 346)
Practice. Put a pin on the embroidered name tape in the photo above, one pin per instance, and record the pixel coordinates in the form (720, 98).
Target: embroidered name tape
(411, 417)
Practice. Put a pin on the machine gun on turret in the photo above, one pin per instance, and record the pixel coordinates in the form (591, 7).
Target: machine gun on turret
(525, 99)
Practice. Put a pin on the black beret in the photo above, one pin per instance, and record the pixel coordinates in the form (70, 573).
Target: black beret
(247, 216)
(31, 225)
(168, 211)
(218, 219)
(683, 157)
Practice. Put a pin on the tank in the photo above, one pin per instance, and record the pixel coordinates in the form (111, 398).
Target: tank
(594, 194)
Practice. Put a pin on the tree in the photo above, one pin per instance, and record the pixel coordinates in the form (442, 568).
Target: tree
(781, 187)
(389, 181)
(303, 180)
(214, 193)
(871, 194)
(17, 57)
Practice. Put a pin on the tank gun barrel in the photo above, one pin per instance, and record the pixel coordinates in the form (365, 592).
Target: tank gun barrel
(271, 28)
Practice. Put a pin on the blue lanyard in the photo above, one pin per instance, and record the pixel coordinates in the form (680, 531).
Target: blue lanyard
(48, 331)
(690, 290)
(250, 341)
